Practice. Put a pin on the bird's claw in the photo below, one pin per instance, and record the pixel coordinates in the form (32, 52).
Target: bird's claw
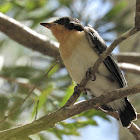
(76, 88)
(89, 74)
(86, 90)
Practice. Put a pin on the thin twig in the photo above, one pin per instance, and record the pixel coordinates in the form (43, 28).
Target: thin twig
(137, 15)
(74, 97)
(13, 112)
(135, 130)
(127, 57)
(130, 68)
(25, 85)
(108, 51)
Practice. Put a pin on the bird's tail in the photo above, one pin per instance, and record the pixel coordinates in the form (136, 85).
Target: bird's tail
(128, 114)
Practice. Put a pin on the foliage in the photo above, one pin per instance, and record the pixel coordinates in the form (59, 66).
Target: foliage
(22, 69)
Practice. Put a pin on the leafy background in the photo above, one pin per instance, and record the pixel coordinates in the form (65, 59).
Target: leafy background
(21, 68)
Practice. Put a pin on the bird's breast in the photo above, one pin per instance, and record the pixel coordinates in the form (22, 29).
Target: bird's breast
(77, 55)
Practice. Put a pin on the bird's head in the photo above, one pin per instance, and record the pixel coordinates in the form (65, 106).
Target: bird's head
(61, 27)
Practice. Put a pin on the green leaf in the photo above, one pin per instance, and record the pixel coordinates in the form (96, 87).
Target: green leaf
(42, 98)
(4, 8)
(53, 70)
(92, 112)
(3, 105)
(65, 131)
(45, 93)
(79, 123)
(18, 71)
(30, 5)
(68, 93)
(71, 128)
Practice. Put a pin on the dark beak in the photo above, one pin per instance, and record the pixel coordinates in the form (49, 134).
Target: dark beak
(47, 25)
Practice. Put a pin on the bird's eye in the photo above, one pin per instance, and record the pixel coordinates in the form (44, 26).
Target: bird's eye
(71, 26)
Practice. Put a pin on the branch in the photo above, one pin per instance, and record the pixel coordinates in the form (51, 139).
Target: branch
(28, 37)
(96, 65)
(130, 67)
(116, 42)
(25, 85)
(133, 58)
(137, 15)
(134, 129)
(48, 121)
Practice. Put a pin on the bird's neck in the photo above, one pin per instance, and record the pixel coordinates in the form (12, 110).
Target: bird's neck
(61, 33)
(70, 43)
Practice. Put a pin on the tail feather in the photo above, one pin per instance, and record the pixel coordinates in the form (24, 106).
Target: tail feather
(128, 114)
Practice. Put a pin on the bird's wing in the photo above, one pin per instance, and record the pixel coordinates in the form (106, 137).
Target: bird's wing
(98, 44)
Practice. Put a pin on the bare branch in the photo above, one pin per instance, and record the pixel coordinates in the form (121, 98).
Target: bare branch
(138, 116)
(130, 67)
(137, 15)
(128, 57)
(74, 97)
(63, 113)
(28, 37)
(134, 129)
(106, 53)
(96, 65)
(25, 85)
(136, 44)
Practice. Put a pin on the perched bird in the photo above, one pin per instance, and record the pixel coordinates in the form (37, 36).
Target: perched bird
(79, 48)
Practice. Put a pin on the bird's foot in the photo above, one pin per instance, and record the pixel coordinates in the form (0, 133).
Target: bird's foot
(77, 88)
(86, 90)
(74, 96)
(89, 74)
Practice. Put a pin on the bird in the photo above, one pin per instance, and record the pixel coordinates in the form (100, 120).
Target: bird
(80, 47)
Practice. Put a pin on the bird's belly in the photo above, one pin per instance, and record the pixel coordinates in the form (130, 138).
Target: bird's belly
(78, 63)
